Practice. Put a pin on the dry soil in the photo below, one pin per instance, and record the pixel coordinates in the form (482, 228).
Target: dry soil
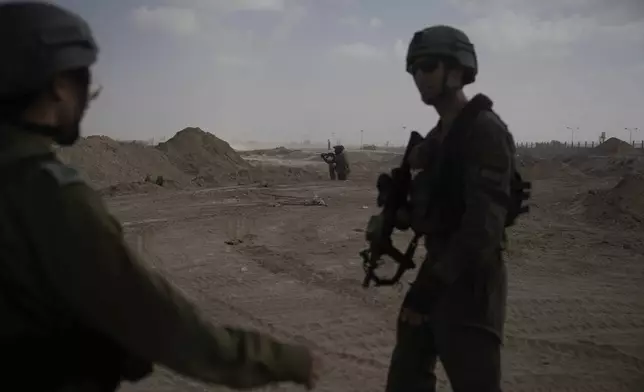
(271, 257)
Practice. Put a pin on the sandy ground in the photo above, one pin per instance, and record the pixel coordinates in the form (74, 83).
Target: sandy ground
(576, 307)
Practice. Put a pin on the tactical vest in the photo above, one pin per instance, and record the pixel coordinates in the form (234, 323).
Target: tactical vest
(75, 355)
(437, 192)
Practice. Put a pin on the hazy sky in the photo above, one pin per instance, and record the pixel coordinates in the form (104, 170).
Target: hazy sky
(279, 70)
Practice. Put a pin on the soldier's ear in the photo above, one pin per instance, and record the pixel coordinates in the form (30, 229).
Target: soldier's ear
(59, 88)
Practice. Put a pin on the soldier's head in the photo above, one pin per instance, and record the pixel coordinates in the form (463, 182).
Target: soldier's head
(442, 60)
(338, 149)
(45, 78)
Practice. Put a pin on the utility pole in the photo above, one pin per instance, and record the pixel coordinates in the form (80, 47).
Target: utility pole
(361, 135)
(572, 134)
(404, 127)
(630, 133)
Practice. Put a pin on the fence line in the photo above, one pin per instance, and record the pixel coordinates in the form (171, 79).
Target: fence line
(635, 144)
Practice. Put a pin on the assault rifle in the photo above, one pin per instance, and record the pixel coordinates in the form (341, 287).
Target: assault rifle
(328, 157)
(392, 197)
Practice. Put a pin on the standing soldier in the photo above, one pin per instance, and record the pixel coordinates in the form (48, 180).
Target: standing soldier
(329, 159)
(341, 162)
(455, 310)
(80, 312)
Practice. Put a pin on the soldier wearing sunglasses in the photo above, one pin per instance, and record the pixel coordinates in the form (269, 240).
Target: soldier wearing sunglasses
(459, 200)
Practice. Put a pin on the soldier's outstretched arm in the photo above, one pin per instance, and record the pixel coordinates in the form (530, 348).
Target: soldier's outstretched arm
(488, 165)
(89, 266)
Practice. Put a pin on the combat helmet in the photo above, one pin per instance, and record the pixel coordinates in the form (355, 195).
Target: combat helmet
(444, 41)
(37, 41)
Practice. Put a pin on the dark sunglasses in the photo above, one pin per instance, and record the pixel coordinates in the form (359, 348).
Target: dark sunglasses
(425, 65)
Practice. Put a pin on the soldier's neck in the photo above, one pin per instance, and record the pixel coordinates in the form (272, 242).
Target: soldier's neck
(449, 109)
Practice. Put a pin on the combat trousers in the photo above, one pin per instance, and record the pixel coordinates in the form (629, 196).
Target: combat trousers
(331, 172)
(470, 356)
(342, 176)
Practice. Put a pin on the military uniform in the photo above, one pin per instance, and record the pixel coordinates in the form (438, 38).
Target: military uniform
(455, 310)
(80, 311)
(341, 163)
(329, 159)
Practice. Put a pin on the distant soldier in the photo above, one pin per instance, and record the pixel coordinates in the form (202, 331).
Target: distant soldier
(342, 168)
(462, 199)
(80, 311)
(329, 159)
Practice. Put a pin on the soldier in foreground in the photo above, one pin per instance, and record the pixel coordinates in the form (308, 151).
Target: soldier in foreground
(80, 312)
(455, 310)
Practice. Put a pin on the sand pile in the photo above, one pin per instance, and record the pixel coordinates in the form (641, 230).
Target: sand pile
(105, 162)
(624, 203)
(609, 166)
(191, 158)
(277, 151)
(200, 153)
(614, 146)
(545, 169)
(282, 152)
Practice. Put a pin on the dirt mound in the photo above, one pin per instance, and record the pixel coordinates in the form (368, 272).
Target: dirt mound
(104, 162)
(200, 153)
(614, 146)
(544, 169)
(192, 158)
(623, 203)
(281, 150)
(609, 166)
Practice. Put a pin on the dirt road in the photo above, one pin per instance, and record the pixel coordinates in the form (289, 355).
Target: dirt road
(576, 307)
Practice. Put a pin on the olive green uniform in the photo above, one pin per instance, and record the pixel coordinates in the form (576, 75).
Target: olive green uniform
(68, 268)
(341, 163)
(329, 159)
(461, 288)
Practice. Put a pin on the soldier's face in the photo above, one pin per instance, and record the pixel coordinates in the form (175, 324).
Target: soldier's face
(73, 94)
(429, 76)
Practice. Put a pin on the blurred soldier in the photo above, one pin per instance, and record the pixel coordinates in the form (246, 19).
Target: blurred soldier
(329, 159)
(80, 311)
(341, 162)
(455, 310)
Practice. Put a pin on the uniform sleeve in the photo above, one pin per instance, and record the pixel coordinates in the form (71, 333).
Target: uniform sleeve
(88, 264)
(488, 172)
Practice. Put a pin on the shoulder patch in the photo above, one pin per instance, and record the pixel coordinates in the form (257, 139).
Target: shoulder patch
(63, 174)
(490, 123)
